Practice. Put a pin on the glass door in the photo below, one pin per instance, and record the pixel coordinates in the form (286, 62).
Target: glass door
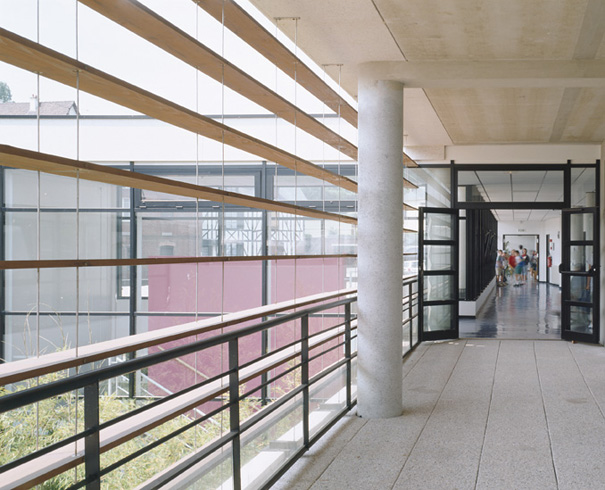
(579, 275)
(438, 273)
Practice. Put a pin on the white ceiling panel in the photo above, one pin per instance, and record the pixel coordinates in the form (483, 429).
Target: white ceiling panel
(525, 196)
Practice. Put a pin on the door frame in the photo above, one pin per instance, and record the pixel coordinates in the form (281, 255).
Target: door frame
(547, 255)
(591, 276)
(453, 332)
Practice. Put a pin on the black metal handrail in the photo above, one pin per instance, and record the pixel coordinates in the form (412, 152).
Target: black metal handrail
(301, 347)
(39, 393)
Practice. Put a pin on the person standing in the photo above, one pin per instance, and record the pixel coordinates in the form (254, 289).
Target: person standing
(533, 265)
(524, 264)
(518, 268)
(512, 262)
(501, 265)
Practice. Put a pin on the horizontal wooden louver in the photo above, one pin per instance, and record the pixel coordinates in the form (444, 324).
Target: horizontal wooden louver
(34, 57)
(241, 23)
(237, 20)
(32, 160)
(150, 26)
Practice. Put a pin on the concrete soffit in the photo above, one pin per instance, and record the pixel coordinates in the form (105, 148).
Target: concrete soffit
(489, 74)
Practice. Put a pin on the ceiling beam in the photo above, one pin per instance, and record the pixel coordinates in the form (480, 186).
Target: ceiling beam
(489, 74)
(34, 57)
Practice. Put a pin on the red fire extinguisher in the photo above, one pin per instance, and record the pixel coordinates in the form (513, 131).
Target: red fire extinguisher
(549, 261)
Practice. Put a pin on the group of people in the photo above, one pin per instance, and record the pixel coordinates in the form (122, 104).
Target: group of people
(514, 267)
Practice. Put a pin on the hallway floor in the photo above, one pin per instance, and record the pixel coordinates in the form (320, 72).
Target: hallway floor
(478, 414)
(532, 311)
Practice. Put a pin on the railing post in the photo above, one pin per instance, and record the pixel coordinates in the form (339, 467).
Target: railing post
(411, 314)
(304, 353)
(234, 412)
(92, 461)
(348, 351)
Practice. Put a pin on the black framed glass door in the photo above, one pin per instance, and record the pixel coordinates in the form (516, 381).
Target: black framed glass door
(579, 275)
(438, 273)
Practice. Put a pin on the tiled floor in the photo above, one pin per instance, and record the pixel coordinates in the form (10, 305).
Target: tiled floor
(484, 414)
(532, 311)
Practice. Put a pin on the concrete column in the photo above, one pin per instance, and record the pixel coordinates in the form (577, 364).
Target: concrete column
(380, 248)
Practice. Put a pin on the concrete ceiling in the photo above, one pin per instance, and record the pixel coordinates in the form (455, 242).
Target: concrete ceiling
(461, 33)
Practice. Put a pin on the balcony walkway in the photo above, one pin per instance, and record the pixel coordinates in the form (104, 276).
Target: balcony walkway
(478, 413)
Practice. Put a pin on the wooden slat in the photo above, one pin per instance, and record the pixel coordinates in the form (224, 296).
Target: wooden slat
(409, 185)
(249, 30)
(34, 57)
(236, 19)
(64, 263)
(146, 23)
(407, 161)
(13, 372)
(11, 156)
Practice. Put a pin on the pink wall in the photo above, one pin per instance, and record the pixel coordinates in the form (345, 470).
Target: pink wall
(172, 288)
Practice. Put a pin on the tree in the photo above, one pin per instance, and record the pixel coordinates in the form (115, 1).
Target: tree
(5, 92)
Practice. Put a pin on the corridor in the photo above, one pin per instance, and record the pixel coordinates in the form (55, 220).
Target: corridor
(478, 414)
(532, 311)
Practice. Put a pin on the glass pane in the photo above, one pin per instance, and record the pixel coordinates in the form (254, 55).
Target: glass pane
(580, 289)
(167, 234)
(580, 319)
(327, 400)
(433, 186)
(437, 318)
(410, 265)
(271, 443)
(216, 471)
(438, 257)
(513, 186)
(581, 226)
(438, 226)
(581, 258)
(406, 337)
(438, 288)
(415, 312)
(242, 233)
(583, 182)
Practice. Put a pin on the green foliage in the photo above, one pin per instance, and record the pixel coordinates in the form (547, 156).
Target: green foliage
(24, 430)
(5, 92)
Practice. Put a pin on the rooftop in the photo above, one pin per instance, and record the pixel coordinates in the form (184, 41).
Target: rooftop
(54, 108)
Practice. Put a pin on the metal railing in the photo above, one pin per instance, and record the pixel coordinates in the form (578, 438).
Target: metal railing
(303, 413)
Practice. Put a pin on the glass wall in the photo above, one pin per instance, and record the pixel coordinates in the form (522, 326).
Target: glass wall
(90, 262)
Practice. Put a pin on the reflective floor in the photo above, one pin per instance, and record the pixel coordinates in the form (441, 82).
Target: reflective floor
(532, 311)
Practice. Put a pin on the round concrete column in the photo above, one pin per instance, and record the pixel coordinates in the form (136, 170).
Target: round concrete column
(380, 249)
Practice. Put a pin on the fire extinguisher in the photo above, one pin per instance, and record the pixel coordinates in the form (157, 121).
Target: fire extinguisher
(549, 261)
